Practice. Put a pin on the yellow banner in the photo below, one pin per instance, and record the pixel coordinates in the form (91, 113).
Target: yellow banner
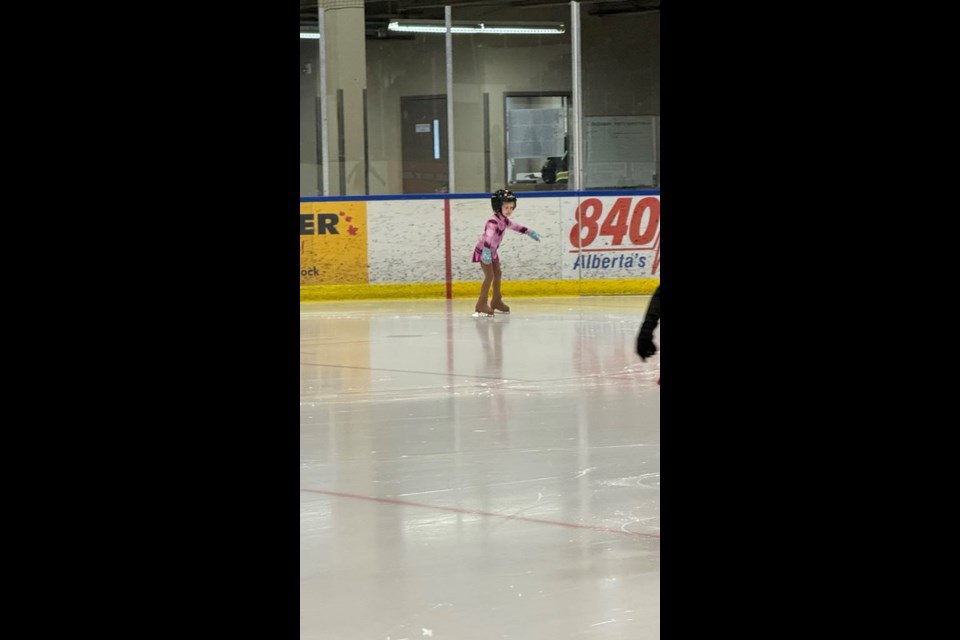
(333, 243)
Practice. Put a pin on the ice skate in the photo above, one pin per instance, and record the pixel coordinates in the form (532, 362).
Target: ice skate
(483, 311)
(499, 305)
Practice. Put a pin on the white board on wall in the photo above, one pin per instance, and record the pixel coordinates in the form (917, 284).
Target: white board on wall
(620, 151)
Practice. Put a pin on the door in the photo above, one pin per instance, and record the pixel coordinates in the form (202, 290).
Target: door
(424, 141)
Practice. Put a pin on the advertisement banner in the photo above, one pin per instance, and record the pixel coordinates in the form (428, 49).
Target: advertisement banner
(333, 243)
(612, 237)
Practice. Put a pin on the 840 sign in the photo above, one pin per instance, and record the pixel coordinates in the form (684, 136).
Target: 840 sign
(641, 225)
(623, 227)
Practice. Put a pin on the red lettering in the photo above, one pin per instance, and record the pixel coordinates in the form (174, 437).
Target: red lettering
(642, 225)
(588, 213)
(653, 222)
(615, 224)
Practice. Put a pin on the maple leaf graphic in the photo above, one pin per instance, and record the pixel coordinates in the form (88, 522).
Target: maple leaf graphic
(352, 230)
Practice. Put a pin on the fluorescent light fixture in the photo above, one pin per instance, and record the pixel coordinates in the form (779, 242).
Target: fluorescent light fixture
(310, 36)
(493, 28)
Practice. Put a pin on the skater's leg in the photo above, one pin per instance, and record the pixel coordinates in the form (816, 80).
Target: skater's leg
(497, 302)
(482, 305)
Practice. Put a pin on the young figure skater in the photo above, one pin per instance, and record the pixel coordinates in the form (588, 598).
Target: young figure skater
(645, 346)
(503, 202)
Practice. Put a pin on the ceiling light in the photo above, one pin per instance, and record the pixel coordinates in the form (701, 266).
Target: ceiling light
(493, 28)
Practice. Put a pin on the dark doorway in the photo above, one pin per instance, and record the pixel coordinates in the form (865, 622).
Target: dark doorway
(424, 140)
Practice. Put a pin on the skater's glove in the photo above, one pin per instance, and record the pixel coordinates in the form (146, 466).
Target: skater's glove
(645, 346)
(485, 257)
(533, 234)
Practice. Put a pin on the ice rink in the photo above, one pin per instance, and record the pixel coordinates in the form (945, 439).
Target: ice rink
(477, 478)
